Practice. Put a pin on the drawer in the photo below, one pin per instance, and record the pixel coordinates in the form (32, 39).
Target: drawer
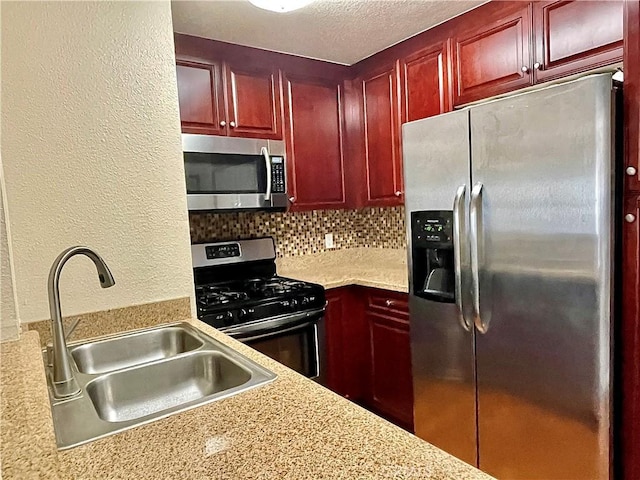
(393, 303)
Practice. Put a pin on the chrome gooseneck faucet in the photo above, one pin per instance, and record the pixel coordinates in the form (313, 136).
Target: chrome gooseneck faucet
(63, 382)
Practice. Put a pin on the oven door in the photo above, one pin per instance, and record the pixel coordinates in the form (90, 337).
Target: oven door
(296, 340)
(233, 173)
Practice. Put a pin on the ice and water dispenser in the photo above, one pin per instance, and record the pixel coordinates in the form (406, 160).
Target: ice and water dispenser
(432, 255)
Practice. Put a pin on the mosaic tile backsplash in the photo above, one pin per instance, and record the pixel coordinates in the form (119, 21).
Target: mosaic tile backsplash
(301, 233)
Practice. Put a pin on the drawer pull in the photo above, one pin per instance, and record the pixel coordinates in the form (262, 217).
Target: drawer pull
(389, 303)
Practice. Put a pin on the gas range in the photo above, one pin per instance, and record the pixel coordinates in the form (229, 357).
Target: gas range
(232, 303)
(236, 283)
(239, 293)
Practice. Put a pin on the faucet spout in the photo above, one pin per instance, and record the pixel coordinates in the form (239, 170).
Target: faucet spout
(63, 382)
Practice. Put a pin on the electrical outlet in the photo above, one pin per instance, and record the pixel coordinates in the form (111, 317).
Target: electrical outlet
(328, 240)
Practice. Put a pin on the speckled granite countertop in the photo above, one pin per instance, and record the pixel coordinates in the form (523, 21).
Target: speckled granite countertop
(367, 267)
(290, 428)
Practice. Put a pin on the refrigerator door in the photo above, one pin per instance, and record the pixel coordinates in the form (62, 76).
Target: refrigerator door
(544, 229)
(436, 165)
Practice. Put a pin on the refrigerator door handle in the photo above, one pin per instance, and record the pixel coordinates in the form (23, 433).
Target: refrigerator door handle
(475, 232)
(458, 222)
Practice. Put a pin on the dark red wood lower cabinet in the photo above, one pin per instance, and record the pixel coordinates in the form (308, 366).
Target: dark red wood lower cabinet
(368, 351)
(629, 457)
(345, 344)
(391, 380)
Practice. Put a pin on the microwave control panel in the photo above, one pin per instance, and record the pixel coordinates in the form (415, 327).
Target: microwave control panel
(277, 175)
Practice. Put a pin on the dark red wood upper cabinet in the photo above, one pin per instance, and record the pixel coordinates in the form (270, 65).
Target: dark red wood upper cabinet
(201, 98)
(492, 55)
(253, 102)
(391, 380)
(631, 93)
(425, 77)
(314, 136)
(381, 129)
(573, 36)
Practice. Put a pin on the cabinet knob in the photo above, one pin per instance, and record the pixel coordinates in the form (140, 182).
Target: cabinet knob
(525, 69)
(389, 303)
(292, 199)
(630, 218)
(398, 193)
(232, 124)
(631, 171)
(223, 123)
(537, 66)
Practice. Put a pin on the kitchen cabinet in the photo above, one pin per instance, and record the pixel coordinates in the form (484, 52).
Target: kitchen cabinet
(391, 382)
(492, 54)
(631, 94)
(345, 343)
(424, 80)
(572, 36)
(253, 102)
(314, 136)
(380, 127)
(630, 337)
(218, 98)
(200, 97)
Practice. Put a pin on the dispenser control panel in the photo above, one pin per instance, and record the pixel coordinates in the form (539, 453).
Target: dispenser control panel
(432, 228)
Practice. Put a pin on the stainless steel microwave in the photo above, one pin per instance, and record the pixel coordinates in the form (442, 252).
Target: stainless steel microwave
(227, 173)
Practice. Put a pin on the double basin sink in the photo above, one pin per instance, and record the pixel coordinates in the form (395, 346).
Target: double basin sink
(135, 378)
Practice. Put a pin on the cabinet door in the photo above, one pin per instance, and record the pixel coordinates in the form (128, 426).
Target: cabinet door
(425, 83)
(631, 93)
(630, 334)
(200, 98)
(314, 135)
(391, 381)
(574, 36)
(346, 343)
(492, 56)
(253, 102)
(383, 162)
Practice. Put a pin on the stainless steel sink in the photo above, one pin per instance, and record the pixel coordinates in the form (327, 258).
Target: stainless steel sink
(138, 377)
(126, 351)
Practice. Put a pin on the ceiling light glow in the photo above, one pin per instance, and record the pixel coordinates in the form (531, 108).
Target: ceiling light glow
(280, 6)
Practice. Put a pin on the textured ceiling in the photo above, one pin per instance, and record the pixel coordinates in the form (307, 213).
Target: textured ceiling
(341, 31)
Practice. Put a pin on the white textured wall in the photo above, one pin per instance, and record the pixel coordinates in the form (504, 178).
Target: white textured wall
(92, 153)
(9, 326)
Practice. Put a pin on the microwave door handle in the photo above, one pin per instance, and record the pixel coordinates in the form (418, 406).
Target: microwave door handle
(267, 162)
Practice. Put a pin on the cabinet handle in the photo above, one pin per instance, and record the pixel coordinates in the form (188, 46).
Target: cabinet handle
(525, 69)
(537, 66)
(398, 193)
(389, 303)
(232, 124)
(223, 123)
(631, 171)
(292, 199)
(630, 218)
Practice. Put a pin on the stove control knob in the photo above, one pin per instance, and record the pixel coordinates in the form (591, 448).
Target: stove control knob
(294, 303)
(242, 313)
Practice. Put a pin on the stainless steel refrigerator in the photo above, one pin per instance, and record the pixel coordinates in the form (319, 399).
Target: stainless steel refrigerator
(510, 228)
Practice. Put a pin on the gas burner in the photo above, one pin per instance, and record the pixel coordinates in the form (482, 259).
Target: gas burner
(212, 295)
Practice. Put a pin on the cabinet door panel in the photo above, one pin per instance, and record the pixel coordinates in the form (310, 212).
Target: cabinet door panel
(391, 381)
(490, 59)
(253, 102)
(200, 98)
(381, 139)
(425, 83)
(573, 36)
(631, 93)
(630, 334)
(315, 144)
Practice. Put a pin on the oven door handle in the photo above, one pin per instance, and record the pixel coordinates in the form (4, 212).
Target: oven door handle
(276, 326)
(264, 335)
